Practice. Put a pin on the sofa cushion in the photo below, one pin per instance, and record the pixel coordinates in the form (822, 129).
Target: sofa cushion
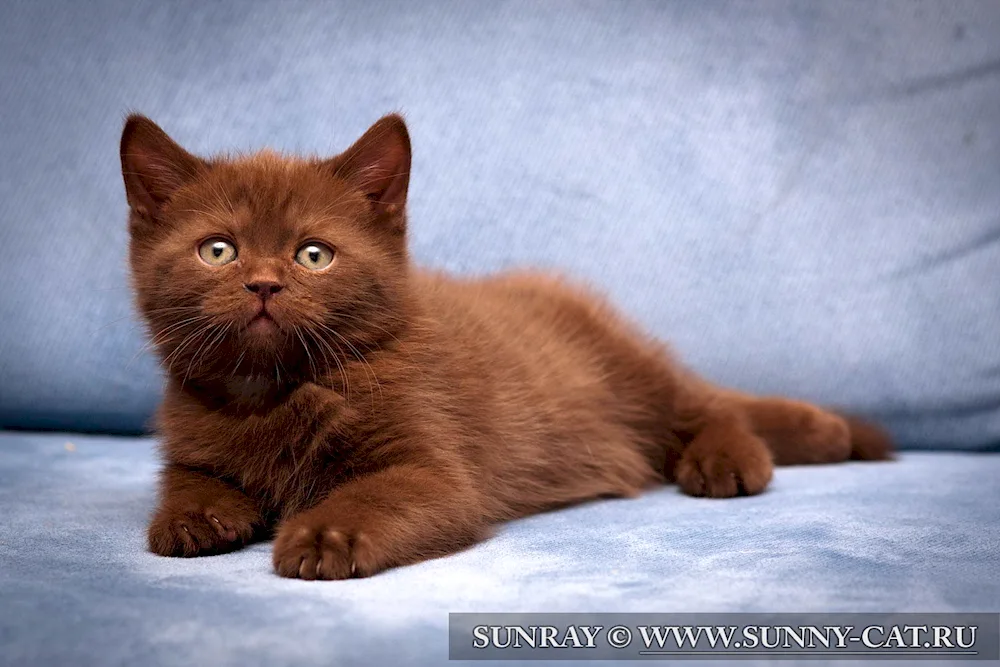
(804, 200)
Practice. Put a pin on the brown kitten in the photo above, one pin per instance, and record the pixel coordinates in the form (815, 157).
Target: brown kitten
(370, 414)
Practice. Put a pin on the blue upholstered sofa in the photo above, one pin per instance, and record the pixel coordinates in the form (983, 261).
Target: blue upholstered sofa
(803, 197)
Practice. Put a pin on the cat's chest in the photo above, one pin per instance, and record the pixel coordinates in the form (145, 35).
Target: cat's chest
(272, 455)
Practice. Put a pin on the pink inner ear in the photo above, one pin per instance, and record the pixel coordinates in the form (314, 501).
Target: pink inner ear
(156, 175)
(396, 165)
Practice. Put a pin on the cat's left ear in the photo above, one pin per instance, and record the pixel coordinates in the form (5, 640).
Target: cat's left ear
(378, 164)
(154, 166)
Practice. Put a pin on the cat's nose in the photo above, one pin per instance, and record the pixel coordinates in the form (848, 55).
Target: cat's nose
(264, 288)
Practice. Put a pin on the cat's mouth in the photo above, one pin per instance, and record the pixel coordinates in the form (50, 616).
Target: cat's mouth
(263, 324)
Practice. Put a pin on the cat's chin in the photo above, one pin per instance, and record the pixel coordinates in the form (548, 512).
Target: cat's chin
(252, 390)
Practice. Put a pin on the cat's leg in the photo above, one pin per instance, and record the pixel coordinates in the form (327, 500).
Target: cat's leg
(396, 516)
(735, 439)
(699, 440)
(798, 432)
(199, 515)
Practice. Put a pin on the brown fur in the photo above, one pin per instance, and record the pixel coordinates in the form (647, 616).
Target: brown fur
(387, 414)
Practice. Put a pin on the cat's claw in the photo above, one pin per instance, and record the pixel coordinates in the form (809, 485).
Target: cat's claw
(309, 553)
(197, 532)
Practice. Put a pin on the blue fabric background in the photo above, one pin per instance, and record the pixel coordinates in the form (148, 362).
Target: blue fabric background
(803, 197)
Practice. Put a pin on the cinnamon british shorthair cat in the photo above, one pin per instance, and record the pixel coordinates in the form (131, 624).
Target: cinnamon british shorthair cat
(369, 414)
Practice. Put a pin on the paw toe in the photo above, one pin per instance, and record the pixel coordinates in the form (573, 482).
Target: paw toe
(718, 472)
(196, 533)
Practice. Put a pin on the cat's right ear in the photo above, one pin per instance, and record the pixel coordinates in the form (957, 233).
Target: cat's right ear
(154, 166)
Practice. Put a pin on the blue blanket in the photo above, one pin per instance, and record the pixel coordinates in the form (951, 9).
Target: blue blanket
(78, 587)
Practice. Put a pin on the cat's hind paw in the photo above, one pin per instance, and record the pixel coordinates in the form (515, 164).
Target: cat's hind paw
(724, 469)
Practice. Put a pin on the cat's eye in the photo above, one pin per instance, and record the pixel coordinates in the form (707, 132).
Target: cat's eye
(216, 252)
(315, 256)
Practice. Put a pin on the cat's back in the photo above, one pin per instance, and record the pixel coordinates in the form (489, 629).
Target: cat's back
(527, 309)
(538, 326)
(539, 369)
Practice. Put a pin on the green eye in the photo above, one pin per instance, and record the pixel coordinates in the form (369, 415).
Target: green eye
(216, 252)
(315, 256)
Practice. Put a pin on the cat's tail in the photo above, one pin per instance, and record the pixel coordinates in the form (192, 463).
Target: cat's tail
(797, 432)
(869, 441)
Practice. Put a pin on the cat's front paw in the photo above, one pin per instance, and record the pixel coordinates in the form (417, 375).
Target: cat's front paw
(199, 531)
(316, 549)
(725, 468)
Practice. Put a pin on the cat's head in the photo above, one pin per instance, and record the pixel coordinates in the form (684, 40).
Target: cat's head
(266, 264)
